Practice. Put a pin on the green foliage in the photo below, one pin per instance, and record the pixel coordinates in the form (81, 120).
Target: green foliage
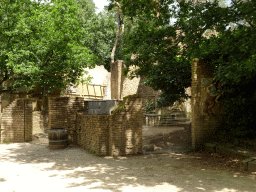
(6, 142)
(150, 106)
(41, 44)
(164, 48)
(159, 58)
(121, 106)
(94, 153)
(99, 32)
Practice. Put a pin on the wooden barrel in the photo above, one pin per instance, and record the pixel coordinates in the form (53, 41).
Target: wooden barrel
(58, 138)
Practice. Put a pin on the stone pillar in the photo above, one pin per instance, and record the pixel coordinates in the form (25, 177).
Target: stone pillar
(204, 124)
(116, 78)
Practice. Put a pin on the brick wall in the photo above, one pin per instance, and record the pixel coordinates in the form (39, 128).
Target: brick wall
(125, 131)
(203, 125)
(93, 133)
(117, 134)
(62, 114)
(16, 124)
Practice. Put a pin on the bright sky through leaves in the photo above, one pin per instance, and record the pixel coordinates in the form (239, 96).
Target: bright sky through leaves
(100, 4)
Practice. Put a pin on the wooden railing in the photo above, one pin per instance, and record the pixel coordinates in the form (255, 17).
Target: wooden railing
(93, 91)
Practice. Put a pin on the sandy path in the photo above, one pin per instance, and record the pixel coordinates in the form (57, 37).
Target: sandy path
(28, 167)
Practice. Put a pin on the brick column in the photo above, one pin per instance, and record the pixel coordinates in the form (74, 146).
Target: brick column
(62, 114)
(125, 128)
(16, 121)
(28, 117)
(58, 112)
(116, 78)
(203, 124)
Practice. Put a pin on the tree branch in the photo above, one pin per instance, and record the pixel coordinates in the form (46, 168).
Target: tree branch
(253, 26)
(47, 60)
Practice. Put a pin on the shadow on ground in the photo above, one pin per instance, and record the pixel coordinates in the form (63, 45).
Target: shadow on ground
(172, 139)
(75, 169)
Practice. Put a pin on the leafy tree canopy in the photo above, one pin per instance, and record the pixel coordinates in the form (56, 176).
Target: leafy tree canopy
(41, 44)
(165, 35)
(100, 30)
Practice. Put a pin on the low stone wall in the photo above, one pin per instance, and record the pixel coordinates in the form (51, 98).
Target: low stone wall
(117, 134)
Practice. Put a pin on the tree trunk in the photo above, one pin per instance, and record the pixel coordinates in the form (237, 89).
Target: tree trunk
(117, 34)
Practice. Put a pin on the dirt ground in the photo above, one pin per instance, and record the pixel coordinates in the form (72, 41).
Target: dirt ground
(27, 167)
(166, 139)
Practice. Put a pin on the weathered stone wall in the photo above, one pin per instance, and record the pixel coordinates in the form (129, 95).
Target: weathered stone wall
(203, 124)
(117, 134)
(123, 86)
(129, 86)
(62, 114)
(16, 124)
